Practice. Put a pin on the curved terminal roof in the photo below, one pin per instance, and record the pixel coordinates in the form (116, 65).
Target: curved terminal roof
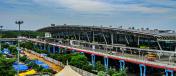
(160, 34)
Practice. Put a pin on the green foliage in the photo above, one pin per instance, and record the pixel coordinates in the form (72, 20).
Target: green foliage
(23, 58)
(54, 56)
(40, 51)
(4, 45)
(111, 71)
(88, 67)
(35, 66)
(27, 61)
(31, 64)
(6, 68)
(28, 45)
(2, 35)
(65, 57)
(99, 66)
(14, 34)
(101, 73)
(13, 50)
(47, 70)
(79, 60)
(120, 73)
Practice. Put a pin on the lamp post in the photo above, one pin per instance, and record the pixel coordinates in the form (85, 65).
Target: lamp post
(1, 36)
(19, 24)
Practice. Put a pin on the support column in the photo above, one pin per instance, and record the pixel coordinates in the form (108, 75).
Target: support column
(93, 38)
(160, 48)
(54, 49)
(33, 46)
(38, 46)
(105, 42)
(122, 65)
(58, 50)
(44, 48)
(142, 70)
(112, 39)
(138, 41)
(41, 47)
(87, 37)
(106, 64)
(169, 71)
(93, 60)
(126, 39)
(65, 50)
(49, 49)
(79, 37)
(73, 51)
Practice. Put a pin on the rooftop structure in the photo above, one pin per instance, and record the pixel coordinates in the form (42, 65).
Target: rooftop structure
(154, 39)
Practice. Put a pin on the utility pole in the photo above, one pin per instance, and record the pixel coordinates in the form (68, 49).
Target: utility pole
(1, 36)
(19, 25)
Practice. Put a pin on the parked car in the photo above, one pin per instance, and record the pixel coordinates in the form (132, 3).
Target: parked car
(151, 56)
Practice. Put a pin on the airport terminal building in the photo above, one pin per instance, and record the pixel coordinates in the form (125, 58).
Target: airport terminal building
(141, 38)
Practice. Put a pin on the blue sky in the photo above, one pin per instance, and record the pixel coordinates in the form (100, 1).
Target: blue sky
(154, 14)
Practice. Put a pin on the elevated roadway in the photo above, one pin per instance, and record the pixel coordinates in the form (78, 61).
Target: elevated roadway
(155, 64)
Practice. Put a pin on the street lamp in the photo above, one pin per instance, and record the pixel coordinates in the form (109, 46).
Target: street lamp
(1, 36)
(18, 60)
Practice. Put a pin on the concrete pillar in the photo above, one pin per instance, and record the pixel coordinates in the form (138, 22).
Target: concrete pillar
(65, 50)
(169, 71)
(44, 47)
(112, 39)
(58, 50)
(93, 60)
(40, 45)
(142, 70)
(138, 43)
(33, 46)
(54, 49)
(73, 51)
(106, 64)
(49, 49)
(122, 65)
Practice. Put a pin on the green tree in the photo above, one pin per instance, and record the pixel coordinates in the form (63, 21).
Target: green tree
(6, 68)
(47, 70)
(4, 45)
(79, 60)
(23, 58)
(13, 50)
(99, 66)
(28, 44)
(120, 73)
(101, 73)
(14, 34)
(111, 71)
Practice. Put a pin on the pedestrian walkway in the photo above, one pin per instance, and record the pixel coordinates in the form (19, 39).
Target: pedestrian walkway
(53, 66)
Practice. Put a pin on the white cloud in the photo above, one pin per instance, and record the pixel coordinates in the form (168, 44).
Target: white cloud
(86, 5)
(79, 5)
(140, 8)
(94, 6)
